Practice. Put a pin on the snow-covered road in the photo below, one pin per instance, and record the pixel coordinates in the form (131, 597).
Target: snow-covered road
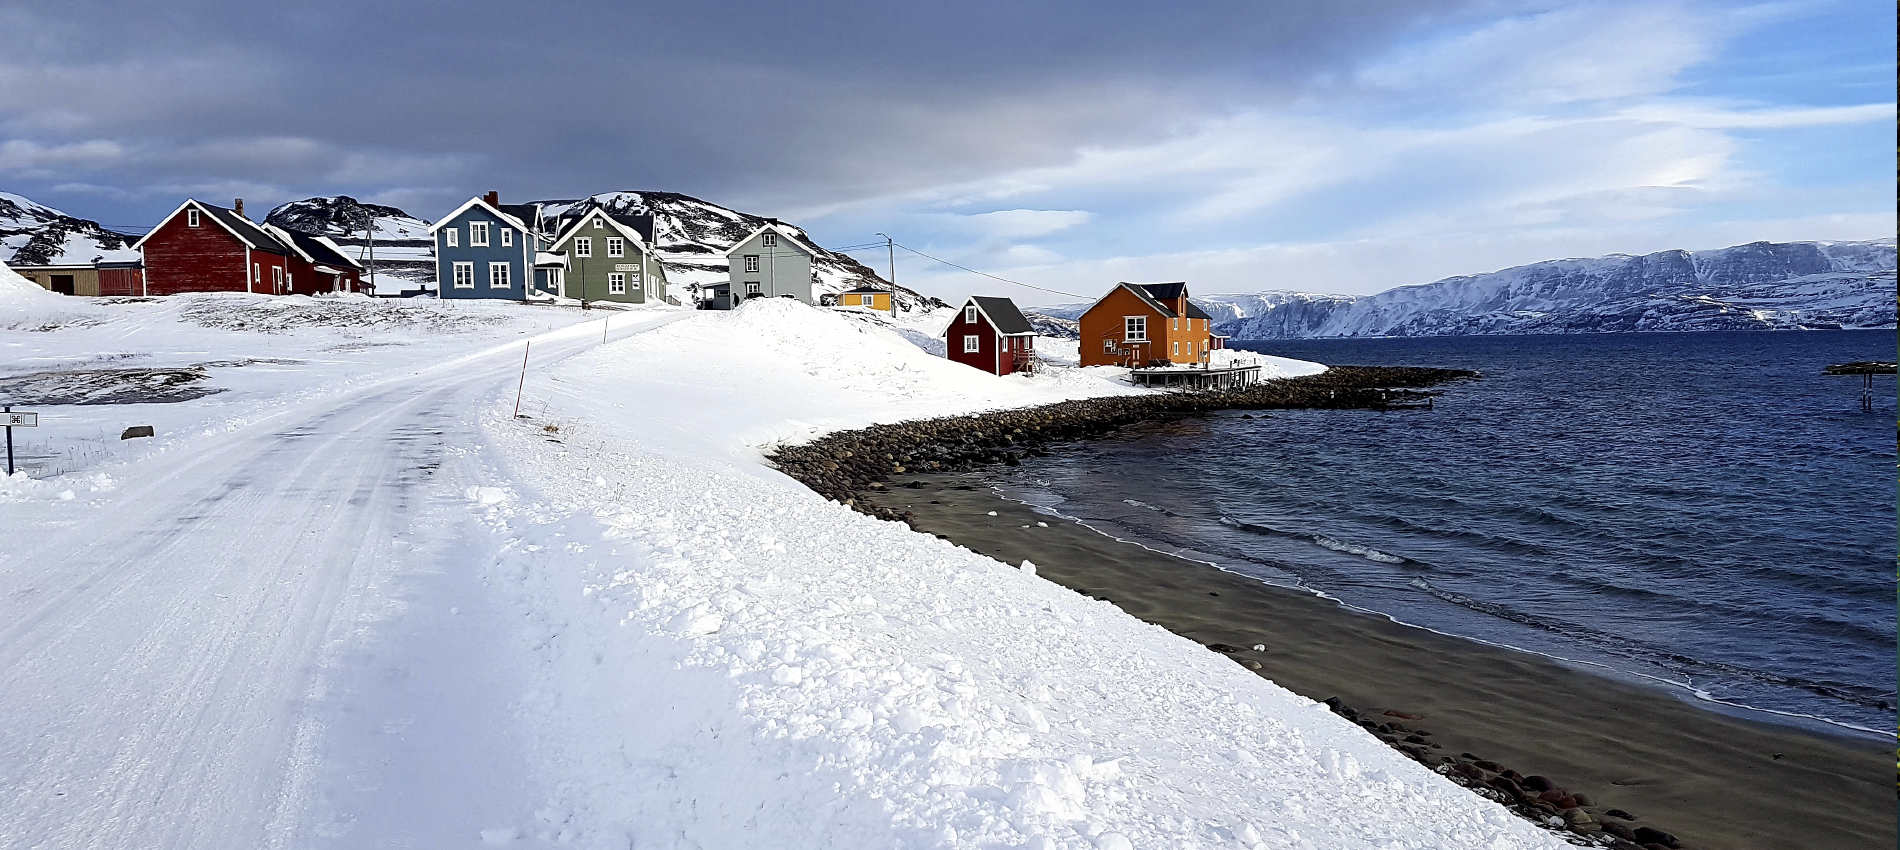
(175, 653)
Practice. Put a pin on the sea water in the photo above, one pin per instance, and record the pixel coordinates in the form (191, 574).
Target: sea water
(1705, 511)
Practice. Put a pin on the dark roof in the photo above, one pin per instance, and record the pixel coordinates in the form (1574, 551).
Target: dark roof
(1165, 291)
(641, 224)
(250, 233)
(864, 290)
(318, 252)
(1195, 312)
(527, 213)
(1141, 292)
(1009, 321)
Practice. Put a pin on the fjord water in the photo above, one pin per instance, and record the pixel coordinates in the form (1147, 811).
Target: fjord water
(1705, 510)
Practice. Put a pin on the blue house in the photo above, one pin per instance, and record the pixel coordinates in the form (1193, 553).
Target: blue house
(486, 250)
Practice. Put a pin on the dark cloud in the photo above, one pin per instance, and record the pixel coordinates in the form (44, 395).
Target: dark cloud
(770, 104)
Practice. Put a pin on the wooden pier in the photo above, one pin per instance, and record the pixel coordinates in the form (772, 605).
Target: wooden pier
(1229, 378)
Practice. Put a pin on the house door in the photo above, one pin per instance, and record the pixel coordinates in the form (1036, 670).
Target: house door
(63, 284)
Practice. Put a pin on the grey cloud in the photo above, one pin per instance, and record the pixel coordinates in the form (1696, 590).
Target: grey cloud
(768, 104)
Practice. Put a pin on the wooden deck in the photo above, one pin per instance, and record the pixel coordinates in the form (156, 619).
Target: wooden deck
(1231, 378)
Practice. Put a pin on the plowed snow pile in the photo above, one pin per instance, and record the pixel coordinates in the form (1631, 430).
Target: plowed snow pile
(731, 661)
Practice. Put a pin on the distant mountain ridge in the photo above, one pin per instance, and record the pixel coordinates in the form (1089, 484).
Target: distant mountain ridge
(33, 234)
(1758, 286)
(402, 247)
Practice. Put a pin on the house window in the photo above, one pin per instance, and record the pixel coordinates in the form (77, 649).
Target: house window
(584, 246)
(478, 234)
(617, 283)
(972, 344)
(751, 263)
(752, 287)
(1177, 347)
(969, 315)
(498, 276)
(1136, 329)
(616, 246)
(464, 275)
(191, 218)
(769, 240)
(507, 237)
(1108, 346)
(599, 225)
(450, 237)
(257, 273)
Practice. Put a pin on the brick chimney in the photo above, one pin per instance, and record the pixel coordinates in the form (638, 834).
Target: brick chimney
(237, 206)
(493, 199)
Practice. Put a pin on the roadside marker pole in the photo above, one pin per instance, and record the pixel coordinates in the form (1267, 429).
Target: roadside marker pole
(603, 328)
(9, 409)
(518, 386)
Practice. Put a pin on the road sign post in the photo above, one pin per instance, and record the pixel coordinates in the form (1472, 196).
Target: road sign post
(16, 420)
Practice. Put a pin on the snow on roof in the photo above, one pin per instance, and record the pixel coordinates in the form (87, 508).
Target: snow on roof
(483, 203)
(619, 225)
(781, 230)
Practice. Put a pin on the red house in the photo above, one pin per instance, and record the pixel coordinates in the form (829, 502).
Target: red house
(316, 264)
(992, 335)
(202, 248)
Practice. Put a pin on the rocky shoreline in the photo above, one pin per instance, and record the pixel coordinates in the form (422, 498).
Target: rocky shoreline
(1534, 798)
(842, 466)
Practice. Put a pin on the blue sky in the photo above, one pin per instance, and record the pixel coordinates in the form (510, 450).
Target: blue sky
(1241, 146)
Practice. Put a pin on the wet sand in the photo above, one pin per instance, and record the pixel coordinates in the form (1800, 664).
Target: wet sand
(1712, 780)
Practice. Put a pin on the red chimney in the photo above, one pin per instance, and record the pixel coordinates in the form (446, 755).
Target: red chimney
(493, 199)
(238, 207)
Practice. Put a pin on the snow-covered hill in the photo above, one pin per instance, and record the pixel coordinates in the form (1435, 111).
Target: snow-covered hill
(691, 234)
(403, 247)
(1761, 285)
(35, 234)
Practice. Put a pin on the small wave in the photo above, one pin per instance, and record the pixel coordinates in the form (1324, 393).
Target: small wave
(1368, 553)
(1142, 505)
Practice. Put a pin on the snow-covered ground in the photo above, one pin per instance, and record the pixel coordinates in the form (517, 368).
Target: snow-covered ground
(353, 601)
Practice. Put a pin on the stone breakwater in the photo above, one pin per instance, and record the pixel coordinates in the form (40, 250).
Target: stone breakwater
(1535, 798)
(842, 466)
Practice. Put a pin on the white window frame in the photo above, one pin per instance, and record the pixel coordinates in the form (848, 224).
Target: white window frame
(616, 283)
(969, 315)
(191, 218)
(752, 288)
(451, 237)
(583, 246)
(277, 276)
(616, 246)
(1135, 328)
(972, 344)
(769, 240)
(500, 276)
(751, 264)
(478, 234)
(463, 275)
(257, 273)
(1108, 346)
(507, 237)
(599, 224)
(1177, 349)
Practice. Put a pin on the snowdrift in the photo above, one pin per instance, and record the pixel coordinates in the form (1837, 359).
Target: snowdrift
(734, 661)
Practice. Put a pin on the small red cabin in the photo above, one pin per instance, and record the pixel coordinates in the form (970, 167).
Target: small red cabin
(202, 248)
(992, 335)
(316, 264)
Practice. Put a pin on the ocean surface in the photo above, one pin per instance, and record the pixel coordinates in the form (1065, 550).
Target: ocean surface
(1704, 511)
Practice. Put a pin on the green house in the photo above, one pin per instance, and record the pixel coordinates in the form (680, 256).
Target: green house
(609, 257)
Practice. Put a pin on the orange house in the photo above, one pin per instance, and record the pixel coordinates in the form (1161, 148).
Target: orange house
(1143, 324)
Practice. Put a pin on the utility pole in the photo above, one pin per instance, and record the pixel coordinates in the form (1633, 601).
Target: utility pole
(890, 248)
(369, 232)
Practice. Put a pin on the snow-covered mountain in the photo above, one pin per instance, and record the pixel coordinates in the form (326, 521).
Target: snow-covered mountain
(691, 234)
(1761, 285)
(403, 247)
(35, 234)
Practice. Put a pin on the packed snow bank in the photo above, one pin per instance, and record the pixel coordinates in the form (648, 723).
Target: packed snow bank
(734, 661)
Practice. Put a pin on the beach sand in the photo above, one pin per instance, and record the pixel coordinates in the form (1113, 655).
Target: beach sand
(1714, 781)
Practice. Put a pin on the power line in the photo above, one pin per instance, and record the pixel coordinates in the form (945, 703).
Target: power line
(984, 274)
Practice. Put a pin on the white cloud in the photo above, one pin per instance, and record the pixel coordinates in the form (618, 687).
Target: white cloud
(26, 158)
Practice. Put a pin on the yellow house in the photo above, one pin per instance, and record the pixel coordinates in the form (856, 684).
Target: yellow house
(867, 298)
